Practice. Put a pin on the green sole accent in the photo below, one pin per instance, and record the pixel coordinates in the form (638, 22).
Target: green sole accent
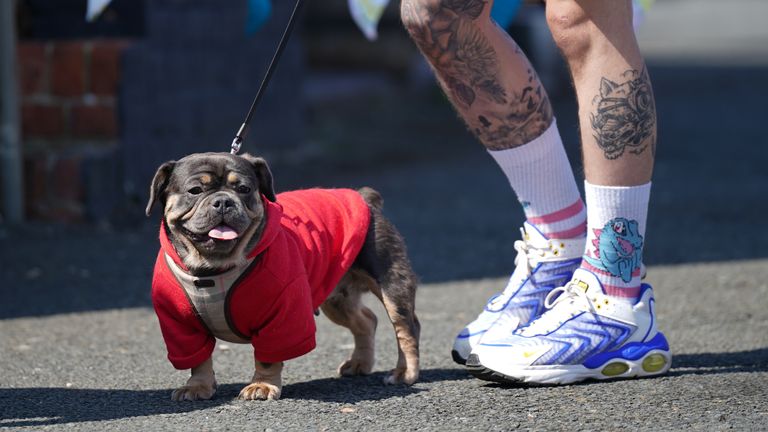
(614, 369)
(654, 363)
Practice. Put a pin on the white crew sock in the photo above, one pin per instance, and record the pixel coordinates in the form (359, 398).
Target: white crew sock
(616, 217)
(542, 178)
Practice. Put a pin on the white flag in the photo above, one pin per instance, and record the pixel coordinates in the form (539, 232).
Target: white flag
(95, 8)
(367, 14)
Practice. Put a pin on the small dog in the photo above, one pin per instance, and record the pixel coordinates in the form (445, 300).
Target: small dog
(239, 263)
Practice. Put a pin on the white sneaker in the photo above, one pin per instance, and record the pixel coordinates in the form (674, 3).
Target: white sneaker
(541, 266)
(583, 334)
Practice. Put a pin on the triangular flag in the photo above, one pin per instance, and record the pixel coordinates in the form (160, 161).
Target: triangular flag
(504, 11)
(258, 13)
(95, 8)
(367, 14)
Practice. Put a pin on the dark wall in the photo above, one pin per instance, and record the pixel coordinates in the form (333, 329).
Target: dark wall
(65, 19)
(188, 84)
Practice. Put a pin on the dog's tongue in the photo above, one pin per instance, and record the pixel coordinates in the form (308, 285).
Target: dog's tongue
(222, 232)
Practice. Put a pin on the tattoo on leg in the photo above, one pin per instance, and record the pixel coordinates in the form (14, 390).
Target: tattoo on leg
(527, 115)
(462, 56)
(467, 66)
(476, 60)
(625, 117)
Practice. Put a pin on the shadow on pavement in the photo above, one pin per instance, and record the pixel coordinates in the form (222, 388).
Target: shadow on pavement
(365, 388)
(718, 363)
(686, 364)
(31, 407)
(450, 201)
(51, 406)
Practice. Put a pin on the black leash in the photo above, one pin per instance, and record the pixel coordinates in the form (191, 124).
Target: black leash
(243, 131)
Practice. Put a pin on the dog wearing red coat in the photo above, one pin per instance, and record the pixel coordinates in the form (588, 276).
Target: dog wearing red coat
(239, 263)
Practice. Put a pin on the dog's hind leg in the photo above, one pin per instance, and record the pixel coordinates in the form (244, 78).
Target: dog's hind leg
(384, 257)
(345, 308)
(398, 292)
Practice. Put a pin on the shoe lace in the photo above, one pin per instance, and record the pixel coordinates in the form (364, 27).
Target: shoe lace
(570, 292)
(522, 259)
(526, 253)
(561, 303)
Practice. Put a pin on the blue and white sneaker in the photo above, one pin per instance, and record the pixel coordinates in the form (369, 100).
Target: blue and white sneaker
(541, 265)
(584, 334)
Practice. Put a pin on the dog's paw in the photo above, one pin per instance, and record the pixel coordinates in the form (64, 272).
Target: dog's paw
(355, 366)
(260, 391)
(193, 392)
(402, 376)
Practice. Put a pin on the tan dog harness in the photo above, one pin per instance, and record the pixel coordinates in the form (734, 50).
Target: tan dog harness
(209, 297)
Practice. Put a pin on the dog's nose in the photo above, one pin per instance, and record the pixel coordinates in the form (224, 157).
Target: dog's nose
(223, 203)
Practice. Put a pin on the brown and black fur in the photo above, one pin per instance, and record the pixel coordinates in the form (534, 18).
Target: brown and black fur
(381, 267)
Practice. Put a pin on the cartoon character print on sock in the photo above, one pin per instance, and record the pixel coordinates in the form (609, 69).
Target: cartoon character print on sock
(618, 248)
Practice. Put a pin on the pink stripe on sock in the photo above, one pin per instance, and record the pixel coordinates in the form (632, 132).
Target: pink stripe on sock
(619, 291)
(577, 231)
(570, 211)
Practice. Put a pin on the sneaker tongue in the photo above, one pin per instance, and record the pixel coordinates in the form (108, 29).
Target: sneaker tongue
(534, 235)
(223, 232)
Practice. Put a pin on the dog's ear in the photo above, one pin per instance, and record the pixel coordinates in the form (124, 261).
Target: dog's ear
(263, 174)
(159, 184)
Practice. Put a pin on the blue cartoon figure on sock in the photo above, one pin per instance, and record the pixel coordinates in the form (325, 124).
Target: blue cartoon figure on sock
(618, 248)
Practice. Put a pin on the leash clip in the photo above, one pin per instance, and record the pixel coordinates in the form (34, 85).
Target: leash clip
(238, 141)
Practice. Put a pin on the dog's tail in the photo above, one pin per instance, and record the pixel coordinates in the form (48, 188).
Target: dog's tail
(372, 197)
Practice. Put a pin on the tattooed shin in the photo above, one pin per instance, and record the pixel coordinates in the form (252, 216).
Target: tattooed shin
(527, 115)
(625, 115)
(449, 34)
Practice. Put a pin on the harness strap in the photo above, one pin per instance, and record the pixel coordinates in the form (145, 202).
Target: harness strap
(209, 297)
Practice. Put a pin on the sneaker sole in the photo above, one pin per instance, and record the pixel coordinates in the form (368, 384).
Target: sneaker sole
(654, 363)
(458, 358)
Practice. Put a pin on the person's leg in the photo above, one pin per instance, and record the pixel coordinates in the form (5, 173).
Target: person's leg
(618, 132)
(602, 324)
(498, 95)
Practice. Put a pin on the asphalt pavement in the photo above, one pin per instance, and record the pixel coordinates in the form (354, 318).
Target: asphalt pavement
(80, 348)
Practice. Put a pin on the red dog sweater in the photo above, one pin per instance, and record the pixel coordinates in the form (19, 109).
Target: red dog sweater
(311, 239)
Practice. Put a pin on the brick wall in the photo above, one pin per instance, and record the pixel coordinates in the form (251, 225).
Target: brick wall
(69, 98)
(100, 115)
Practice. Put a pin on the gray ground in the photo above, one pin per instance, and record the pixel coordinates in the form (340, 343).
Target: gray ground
(80, 347)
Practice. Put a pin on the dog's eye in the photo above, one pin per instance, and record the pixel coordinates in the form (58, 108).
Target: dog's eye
(197, 190)
(243, 189)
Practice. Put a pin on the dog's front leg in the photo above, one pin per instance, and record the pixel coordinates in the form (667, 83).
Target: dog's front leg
(201, 385)
(266, 383)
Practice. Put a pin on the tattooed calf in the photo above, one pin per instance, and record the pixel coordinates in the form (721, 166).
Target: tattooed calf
(461, 55)
(527, 115)
(450, 34)
(625, 116)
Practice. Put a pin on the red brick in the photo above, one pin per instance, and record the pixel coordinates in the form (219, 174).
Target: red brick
(68, 69)
(66, 181)
(32, 63)
(42, 121)
(35, 186)
(105, 67)
(94, 121)
(64, 213)
(54, 191)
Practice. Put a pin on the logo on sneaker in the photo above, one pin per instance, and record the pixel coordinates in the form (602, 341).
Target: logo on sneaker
(529, 354)
(618, 248)
(581, 284)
